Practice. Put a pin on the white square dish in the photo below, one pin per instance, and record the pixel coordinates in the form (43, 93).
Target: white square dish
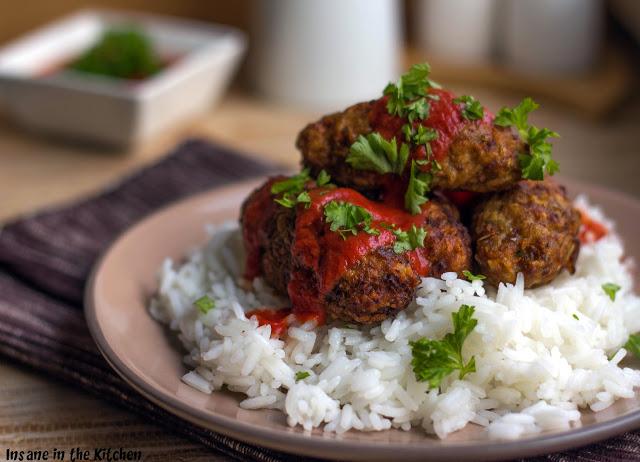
(108, 110)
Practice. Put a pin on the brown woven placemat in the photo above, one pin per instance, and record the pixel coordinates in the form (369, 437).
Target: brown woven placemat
(44, 262)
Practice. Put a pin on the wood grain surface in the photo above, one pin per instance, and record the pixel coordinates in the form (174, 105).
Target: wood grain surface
(35, 172)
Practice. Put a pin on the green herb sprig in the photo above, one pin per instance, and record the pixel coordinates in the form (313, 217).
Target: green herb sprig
(433, 360)
(633, 345)
(473, 277)
(346, 218)
(205, 304)
(409, 240)
(372, 152)
(471, 107)
(538, 161)
(301, 375)
(293, 188)
(611, 290)
(418, 186)
(408, 96)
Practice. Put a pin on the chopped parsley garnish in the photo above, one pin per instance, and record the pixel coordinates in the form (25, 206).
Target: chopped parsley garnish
(473, 277)
(611, 289)
(472, 109)
(289, 200)
(417, 110)
(575, 316)
(323, 178)
(420, 135)
(538, 160)
(409, 240)
(301, 375)
(293, 188)
(122, 52)
(345, 218)
(633, 345)
(417, 188)
(433, 360)
(408, 96)
(292, 185)
(204, 304)
(373, 152)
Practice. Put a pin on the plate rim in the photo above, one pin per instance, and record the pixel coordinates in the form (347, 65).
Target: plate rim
(335, 447)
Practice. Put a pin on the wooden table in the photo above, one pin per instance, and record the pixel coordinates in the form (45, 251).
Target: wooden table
(37, 172)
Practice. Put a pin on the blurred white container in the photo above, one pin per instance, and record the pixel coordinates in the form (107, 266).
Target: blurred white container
(113, 111)
(456, 31)
(552, 37)
(324, 54)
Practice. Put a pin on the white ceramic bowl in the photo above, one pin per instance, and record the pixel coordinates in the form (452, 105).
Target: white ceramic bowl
(107, 110)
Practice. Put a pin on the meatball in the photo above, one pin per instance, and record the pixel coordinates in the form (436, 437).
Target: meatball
(377, 287)
(531, 228)
(325, 145)
(379, 284)
(480, 158)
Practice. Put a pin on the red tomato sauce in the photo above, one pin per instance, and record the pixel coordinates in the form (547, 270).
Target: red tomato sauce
(591, 230)
(461, 198)
(445, 117)
(280, 319)
(255, 215)
(329, 256)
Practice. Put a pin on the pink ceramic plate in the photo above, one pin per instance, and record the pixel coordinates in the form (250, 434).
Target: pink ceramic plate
(142, 352)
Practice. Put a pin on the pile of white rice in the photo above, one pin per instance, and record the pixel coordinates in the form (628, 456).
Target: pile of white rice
(540, 354)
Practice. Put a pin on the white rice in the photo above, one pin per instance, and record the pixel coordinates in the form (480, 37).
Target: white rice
(536, 363)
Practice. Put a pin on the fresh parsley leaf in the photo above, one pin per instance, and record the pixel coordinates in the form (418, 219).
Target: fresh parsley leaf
(424, 135)
(294, 184)
(304, 198)
(473, 277)
(412, 85)
(409, 240)
(575, 316)
(518, 116)
(472, 109)
(301, 375)
(538, 160)
(204, 304)
(417, 110)
(290, 200)
(345, 218)
(417, 188)
(633, 345)
(611, 289)
(433, 360)
(373, 152)
(323, 178)
(292, 190)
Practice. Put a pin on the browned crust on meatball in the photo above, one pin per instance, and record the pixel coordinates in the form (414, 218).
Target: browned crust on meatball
(325, 144)
(448, 243)
(276, 260)
(481, 158)
(378, 286)
(532, 228)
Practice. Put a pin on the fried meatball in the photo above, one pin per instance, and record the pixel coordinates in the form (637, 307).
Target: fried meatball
(531, 228)
(378, 285)
(481, 157)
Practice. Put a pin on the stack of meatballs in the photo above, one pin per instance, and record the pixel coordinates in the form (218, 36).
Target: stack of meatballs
(506, 225)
